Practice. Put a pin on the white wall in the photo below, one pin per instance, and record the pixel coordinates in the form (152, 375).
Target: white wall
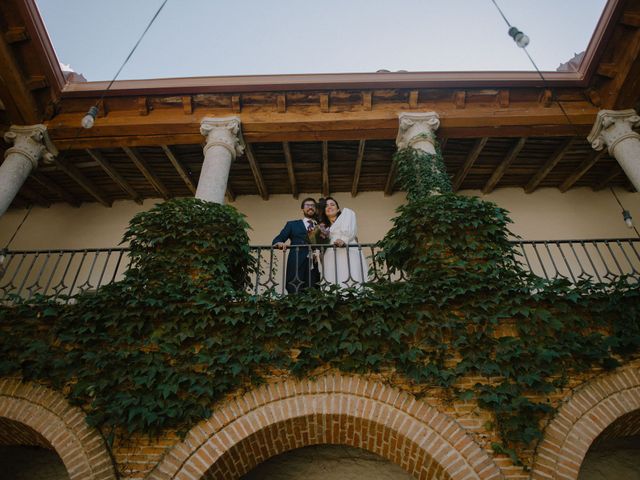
(545, 214)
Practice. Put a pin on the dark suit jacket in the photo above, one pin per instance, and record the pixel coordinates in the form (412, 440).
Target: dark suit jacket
(301, 271)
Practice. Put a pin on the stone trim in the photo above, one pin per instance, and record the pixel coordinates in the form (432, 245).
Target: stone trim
(80, 447)
(581, 418)
(349, 410)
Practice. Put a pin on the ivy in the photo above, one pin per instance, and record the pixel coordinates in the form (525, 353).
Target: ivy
(178, 333)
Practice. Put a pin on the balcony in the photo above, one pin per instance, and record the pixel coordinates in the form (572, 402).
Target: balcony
(62, 274)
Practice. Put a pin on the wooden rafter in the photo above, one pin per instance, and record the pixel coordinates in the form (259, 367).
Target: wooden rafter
(83, 181)
(257, 174)
(292, 174)
(230, 194)
(54, 188)
(186, 178)
(504, 165)
(614, 173)
(584, 167)
(391, 178)
(468, 163)
(115, 175)
(325, 169)
(549, 165)
(141, 164)
(358, 168)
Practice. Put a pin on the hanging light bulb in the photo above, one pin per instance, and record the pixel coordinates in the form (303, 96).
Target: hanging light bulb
(628, 220)
(89, 119)
(519, 37)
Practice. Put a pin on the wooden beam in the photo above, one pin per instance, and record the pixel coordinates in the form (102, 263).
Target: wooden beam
(54, 188)
(141, 164)
(631, 19)
(82, 180)
(504, 165)
(549, 165)
(614, 173)
(546, 97)
(413, 98)
(391, 178)
(281, 103)
(324, 102)
(584, 167)
(257, 174)
(325, 169)
(468, 163)
(15, 35)
(143, 106)
(290, 170)
(230, 194)
(460, 99)
(115, 175)
(236, 104)
(503, 98)
(367, 101)
(186, 178)
(187, 104)
(16, 95)
(358, 168)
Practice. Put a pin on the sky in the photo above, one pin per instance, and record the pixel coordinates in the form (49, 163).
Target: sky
(248, 37)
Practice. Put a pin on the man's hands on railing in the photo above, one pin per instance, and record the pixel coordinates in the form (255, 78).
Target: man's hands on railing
(280, 246)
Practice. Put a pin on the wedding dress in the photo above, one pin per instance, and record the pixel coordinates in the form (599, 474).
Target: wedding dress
(344, 266)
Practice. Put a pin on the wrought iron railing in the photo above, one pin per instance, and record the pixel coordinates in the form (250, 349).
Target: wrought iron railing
(64, 273)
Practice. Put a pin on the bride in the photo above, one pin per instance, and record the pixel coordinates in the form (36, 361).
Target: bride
(342, 266)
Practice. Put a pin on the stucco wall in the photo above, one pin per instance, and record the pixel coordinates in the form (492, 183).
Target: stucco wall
(545, 214)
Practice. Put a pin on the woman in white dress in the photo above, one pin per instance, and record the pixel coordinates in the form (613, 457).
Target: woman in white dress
(343, 265)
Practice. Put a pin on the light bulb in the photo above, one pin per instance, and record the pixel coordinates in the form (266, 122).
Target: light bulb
(522, 40)
(519, 37)
(628, 220)
(89, 119)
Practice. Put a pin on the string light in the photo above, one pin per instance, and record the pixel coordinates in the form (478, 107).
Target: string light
(89, 119)
(628, 219)
(520, 38)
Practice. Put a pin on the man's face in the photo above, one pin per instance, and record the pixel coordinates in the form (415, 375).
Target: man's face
(309, 209)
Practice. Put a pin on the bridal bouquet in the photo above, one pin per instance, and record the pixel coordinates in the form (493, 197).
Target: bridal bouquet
(319, 235)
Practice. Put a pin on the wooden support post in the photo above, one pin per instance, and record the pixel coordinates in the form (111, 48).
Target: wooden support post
(180, 169)
(367, 100)
(460, 99)
(54, 188)
(83, 181)
(236, 104)
(115, 176)
(413, 98)
(504, 165)
(468, 163)
(358, 168)
(141, 164)
(281, 103)
(549, 165)
(584, 167)
(290, 170)
(324, 102)
(391, 178)
(257, 174)
(325, 169)
(187, 104)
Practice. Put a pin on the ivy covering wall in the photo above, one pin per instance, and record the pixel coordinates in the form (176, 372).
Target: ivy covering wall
(159, 348)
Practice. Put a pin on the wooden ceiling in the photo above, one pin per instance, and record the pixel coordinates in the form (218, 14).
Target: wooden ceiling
(331, 133)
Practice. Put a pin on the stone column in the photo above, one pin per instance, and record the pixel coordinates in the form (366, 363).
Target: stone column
(417, 130)
(30, 144)
(613, 129)
(224, 143)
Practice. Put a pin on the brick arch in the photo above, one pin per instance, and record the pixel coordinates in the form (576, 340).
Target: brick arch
(47, 415)
(341, 409)
(581, 419)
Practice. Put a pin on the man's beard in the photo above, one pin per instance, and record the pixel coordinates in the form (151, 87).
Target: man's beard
(309, 216)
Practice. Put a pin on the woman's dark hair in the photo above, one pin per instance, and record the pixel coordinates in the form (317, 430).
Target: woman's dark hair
(323, 216)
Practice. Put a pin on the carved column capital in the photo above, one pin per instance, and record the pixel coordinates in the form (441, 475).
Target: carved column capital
(417, 130)
(32, 142)
(612, 127)
(223, 132)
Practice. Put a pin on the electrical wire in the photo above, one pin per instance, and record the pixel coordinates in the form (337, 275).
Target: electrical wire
(615, 195)
(17, 229)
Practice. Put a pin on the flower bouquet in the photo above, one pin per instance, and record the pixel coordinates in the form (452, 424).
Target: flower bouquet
(320, 235)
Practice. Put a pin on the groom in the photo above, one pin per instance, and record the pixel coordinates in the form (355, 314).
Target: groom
(302, 270)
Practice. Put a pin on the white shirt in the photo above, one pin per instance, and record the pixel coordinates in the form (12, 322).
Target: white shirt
(308, 222)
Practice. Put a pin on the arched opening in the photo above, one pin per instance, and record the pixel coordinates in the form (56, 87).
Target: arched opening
(39, 424)
(600, 418)
(27, 455)
(332, 410)
(327, 462)
(615, 453)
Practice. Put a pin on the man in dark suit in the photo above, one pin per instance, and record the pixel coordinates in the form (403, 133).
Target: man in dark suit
(302, 270)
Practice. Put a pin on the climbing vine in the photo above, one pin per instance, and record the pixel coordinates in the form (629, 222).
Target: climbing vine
(159, 348)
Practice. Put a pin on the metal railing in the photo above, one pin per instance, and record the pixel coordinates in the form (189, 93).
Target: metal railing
(64, 273)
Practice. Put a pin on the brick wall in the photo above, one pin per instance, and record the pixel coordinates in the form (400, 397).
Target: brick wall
(433, 437)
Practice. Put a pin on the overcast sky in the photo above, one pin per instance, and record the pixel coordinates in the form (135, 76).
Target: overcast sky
(243, 37)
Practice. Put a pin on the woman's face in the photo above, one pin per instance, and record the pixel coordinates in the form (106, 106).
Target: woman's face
(331, 208)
